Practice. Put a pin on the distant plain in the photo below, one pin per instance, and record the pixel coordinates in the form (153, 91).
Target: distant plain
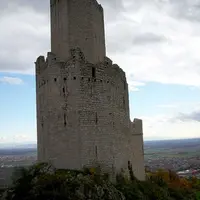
(153, 150)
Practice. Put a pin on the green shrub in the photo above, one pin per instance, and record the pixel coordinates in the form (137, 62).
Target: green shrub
(43, 182)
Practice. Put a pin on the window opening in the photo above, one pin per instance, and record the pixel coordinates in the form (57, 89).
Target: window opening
(96, 120)
(65, 120)
(55, 79)
(42, 123)
(96, 152)
(93, 72)
(123, 102)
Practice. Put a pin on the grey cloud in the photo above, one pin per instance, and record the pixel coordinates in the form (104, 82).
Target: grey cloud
(112, 9)
(179, 9)
(147, 38)
(27, 35)
(193, 116)
(38, 5)
(115, 4)
(129, 25)
(186, 9)
(43, 5)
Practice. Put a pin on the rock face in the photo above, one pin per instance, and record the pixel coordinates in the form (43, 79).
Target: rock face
(82, 97)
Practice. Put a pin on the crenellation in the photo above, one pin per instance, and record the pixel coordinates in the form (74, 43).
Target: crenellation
(40, 65)
(51, 57)
(40, 60)
(107, 62)
(119, 69)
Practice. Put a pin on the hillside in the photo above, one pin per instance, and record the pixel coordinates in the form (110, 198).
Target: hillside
(42, 181)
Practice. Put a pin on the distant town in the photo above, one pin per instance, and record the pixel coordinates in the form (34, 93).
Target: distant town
(182, 156)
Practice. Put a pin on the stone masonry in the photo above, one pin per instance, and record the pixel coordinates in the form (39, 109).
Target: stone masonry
(82, 97)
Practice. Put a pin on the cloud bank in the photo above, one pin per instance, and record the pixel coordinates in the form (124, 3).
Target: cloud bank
(153, 41)
(11, 80)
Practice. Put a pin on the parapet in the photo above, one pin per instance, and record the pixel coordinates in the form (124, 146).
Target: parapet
(108, 61)
(119, 69)
(40, 60)
(51, 57)
(114, 69)
(41, 64)
(137, 127)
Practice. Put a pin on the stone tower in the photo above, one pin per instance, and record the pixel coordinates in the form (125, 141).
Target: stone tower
(82, 97)
(77, 24)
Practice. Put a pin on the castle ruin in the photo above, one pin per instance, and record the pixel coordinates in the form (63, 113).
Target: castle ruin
(82, 97)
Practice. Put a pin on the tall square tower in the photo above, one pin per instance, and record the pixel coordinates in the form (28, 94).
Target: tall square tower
(78, 24)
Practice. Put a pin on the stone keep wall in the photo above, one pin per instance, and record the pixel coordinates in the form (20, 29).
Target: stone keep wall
(83, 113)
(138, 149)
(76, 23)
(82, 97)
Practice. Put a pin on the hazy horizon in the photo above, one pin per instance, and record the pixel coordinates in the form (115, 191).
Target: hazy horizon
(34, 144)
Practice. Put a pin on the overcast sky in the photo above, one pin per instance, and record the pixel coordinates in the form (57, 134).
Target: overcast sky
(156, 42)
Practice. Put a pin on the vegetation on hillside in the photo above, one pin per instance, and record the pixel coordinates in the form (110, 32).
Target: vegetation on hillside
(42, 182)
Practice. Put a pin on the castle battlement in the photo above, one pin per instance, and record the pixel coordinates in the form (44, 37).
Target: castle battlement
(119, 70)
(41, 64)
(107, 61)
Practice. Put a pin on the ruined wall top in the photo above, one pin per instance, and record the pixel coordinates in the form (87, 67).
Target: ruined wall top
(52, 2)
(137, 127)
(107, 66)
